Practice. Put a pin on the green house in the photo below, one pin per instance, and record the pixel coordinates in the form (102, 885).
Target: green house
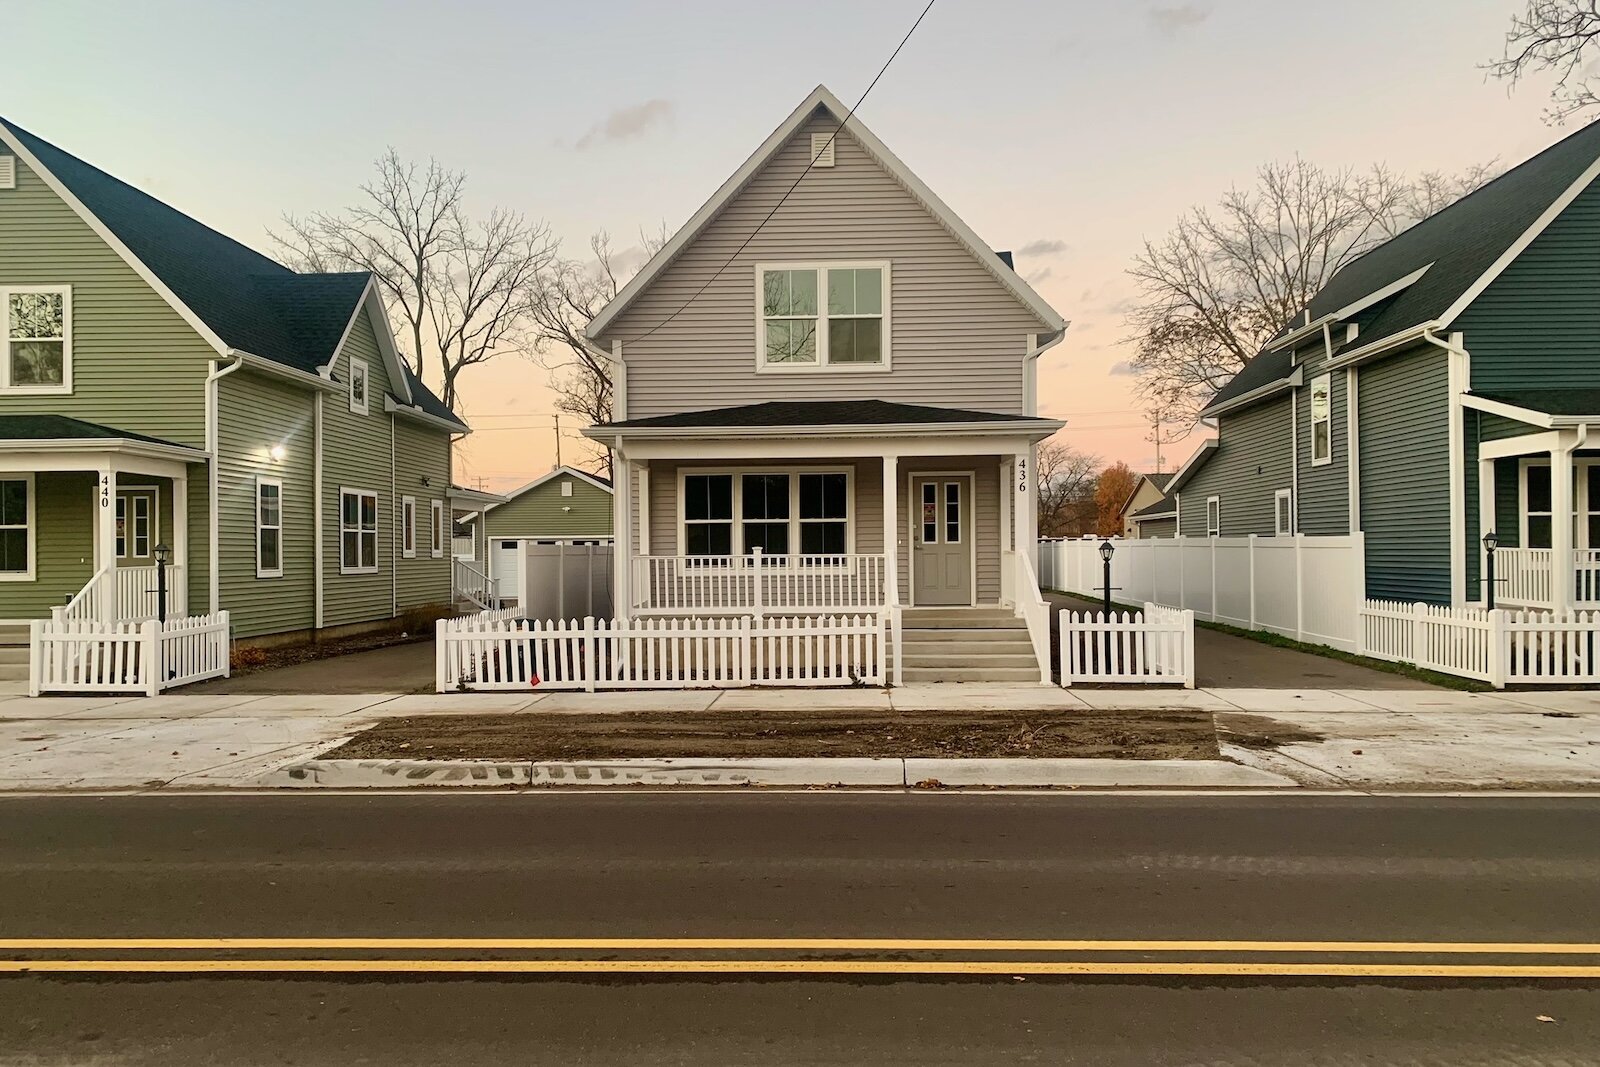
(166, 391)
(567, 504)
(1442, 388)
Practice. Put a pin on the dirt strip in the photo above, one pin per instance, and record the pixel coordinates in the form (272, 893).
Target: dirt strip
(1170, 734)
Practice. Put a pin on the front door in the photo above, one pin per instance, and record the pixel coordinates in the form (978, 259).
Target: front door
(136, 527)
(941, 539)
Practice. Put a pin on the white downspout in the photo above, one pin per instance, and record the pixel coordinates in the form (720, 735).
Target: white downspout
(1460, 381)
(316, 492)
(213, 434)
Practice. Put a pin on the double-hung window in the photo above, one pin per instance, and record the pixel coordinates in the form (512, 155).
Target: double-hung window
(766, 514)
(1537, 502)
(436, 527)
(788, 514)
(820, 315)
(358, 532)
(358, 386)
(16, 528)
(36, 345)
(269, 528)
(824, 514)
(708, 514)
(1213, 516)
(1321, 420)
(408, 527)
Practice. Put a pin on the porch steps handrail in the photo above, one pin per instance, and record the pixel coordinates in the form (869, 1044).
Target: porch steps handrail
(85, 606)
(472, 582)
(1032, 608)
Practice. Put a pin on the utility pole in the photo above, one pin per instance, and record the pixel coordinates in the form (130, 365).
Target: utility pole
(558, 439)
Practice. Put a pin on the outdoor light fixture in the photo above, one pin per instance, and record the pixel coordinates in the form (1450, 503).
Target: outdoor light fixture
(163, 555)
(1106, 549)
(277, 452)
(1491, 541)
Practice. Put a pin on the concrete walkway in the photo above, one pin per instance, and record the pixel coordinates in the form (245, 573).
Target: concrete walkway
(1328, 738)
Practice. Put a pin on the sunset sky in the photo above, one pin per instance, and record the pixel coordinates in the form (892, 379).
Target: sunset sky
(1067, 131)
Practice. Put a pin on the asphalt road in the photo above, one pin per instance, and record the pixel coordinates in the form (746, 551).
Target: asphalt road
(770, 868)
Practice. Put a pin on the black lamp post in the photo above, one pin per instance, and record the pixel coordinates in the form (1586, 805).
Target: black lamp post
(1106, 551)
(163, 557)
(1490, 543)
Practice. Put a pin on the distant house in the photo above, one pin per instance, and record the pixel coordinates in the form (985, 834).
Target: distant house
(1148, 493)
(566, 505)
(1439, 388)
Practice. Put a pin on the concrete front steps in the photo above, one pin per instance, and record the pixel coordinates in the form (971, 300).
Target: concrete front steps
(966, 645)
(13, 653)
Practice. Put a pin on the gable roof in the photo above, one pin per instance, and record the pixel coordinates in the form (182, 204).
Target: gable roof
(1165, 508)
(822, 99)
(1202, 455)
(241, 301)
(1158, 481)
(562, 471)
(798, 413)
(1454, 254)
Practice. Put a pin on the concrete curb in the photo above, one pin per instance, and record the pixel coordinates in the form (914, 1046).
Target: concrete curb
(822, 772)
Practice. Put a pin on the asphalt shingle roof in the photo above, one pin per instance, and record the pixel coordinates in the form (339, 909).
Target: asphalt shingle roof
(65, 428)
(1461, 243)
(779, 413)
(1161, 508)
(1550, 401)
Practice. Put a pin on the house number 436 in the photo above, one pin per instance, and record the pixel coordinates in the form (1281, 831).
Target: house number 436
(1022, 476)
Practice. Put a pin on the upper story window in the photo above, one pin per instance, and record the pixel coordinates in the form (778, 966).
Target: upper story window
(817, 315)
(358, 386)
(1321, 420)
(36, 347)
(1213, 516)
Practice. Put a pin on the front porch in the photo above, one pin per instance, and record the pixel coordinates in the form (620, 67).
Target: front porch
(1539, 498)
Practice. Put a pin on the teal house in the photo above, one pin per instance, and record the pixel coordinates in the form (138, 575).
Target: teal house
(1440, 397)
(169, 394)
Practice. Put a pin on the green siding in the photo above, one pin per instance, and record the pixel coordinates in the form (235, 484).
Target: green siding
(1405, 476)
(63, 546)
(1251, 463)
(136, 364)
(423, 456)
(256, 413)
(538, 512)
(1538, 324)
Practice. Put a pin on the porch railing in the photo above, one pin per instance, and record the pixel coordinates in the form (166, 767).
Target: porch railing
(127, 594)
(469, 581)
(757, 584)
(1523, 577)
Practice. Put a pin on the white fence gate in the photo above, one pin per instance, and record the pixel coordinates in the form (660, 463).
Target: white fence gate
(1308, 588)
(682, 653)
(126, 657)
(1152, 647)
(1499, 647)
(564, 581)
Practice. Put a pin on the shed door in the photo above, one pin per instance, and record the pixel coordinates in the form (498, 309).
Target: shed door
(507, 567)
(941, 539)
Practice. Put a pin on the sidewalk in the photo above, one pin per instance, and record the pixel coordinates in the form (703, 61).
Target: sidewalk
(1337, 739)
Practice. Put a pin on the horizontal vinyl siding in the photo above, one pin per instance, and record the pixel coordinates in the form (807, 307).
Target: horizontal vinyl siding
(1405, 476)
(256, 413)
(1538, 324)
(63, 546)
(355, 455)
(423, 455)
(1323, 504)
(957, 334)
(136, 364)
(539, 512)
(1251, 463)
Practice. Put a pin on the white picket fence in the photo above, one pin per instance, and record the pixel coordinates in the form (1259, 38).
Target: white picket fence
(126, 657)
(1501, 647)
(1152, 647)
(1307, 588)
(480, 653)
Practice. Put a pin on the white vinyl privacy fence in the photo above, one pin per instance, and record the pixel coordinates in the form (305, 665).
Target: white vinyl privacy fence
(1152, 647)
(126, 657)
(497, 653)
(1308, 588)
(1500, 647)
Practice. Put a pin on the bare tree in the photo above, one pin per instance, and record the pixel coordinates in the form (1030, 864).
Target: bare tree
(1225, 279)
(571, 293)
(461, 289)
(1111, 490)
(1558, 36)
(1066, 484)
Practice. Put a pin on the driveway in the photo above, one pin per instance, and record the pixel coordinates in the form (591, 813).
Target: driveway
(1228, 662)
(404, 668)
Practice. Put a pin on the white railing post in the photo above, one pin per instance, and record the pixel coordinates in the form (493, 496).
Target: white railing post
(441, 681)
(1189, 667)
(1419, 637)
(151, 657)
(756, 592)
(590, 669)
(1066, 671)
(35, 657)
(1251, 550)
(1498, 651)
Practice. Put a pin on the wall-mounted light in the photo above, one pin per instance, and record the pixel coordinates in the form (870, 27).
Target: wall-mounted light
(276, 453)
(426, 481)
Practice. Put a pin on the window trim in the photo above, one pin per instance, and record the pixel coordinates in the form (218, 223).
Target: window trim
(408, 527)
(1279, 529)
(436, 528)
(1323, 380)
(31, 528)
(269, 572)
(129, 492)
(358, 368)
(821, 366)
(736, 523)
(6, 388)
(377, 523)
(1214, 530)
(1582, 507)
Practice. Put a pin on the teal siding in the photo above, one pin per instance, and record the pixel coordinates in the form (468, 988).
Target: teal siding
(1251, 463)
(1324, 496)
(1405, 476)
(1538, 324)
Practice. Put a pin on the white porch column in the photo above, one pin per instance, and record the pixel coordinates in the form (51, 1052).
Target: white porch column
(1023, 514)
(106, 541)
(180, 543)
(622, 536)
(644, 507)
(891, 529)
(1561, 567)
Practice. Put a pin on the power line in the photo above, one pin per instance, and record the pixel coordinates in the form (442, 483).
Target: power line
(824, 150)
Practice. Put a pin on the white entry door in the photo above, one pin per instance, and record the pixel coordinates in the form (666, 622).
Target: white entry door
(941, 539)
(507, 566)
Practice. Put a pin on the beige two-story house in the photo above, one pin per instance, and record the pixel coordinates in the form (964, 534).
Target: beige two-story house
(826, 402)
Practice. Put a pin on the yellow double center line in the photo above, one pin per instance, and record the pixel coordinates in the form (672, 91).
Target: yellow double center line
(1405, 959)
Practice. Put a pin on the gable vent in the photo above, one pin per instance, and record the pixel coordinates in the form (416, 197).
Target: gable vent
(822, 149)
(8, 172)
